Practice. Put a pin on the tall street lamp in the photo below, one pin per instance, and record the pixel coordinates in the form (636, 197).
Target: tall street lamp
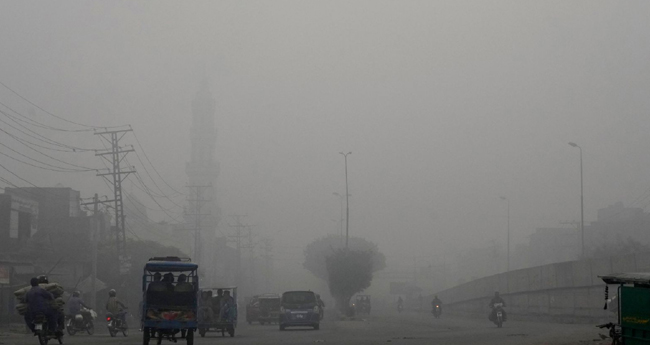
(582, 205)
(341, 221)
(508, 241)
(347, 200)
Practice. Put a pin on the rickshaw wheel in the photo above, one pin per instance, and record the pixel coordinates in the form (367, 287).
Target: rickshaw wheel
(146, 336)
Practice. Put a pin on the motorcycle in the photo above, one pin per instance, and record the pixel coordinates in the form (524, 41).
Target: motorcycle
(42, 331)
(80, 323)
(117, 323)
(436, 311)
(498, 314)
(399, 308)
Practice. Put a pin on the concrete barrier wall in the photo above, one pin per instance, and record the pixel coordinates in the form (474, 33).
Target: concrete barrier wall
(567, 291)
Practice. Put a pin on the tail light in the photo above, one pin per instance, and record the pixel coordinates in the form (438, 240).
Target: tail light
(108, 318)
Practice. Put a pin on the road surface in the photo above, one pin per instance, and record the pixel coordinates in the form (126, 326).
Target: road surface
(383, 328)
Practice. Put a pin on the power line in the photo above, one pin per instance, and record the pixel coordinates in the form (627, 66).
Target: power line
(154, 168)
(38, 124)
(42, 137)
(49, 113)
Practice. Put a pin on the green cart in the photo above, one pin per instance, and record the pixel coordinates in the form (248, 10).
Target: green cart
(633, 306)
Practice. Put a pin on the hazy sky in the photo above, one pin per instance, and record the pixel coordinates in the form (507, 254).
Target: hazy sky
(446, 105)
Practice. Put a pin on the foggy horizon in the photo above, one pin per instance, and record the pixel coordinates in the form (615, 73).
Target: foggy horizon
(445, 106)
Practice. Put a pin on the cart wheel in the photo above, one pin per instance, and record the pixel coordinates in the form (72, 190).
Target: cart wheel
(202, 332)
(231, 331)
(189, 337)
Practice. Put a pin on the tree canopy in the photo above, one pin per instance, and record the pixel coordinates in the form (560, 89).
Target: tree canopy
(317, 252)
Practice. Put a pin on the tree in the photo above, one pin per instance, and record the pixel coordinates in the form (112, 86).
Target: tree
(326, 259)
(349, 272)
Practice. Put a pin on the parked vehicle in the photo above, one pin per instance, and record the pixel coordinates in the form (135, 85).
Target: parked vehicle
(219, 313)
(264, 309)
(299, 308)
(116, 323)
(81, 322)
(43, 332)
(169, 305)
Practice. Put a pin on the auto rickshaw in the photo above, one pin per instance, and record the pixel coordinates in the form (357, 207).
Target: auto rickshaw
(169, 304)
(217, 314)
(264, 309)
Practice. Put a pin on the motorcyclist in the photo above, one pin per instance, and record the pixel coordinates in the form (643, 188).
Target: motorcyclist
(436, 302)
(400, 303)
(74, 306)
(38, 300)
(115, 307)
(497, 299)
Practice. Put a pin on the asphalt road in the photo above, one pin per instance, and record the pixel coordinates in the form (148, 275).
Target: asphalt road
(390, 327)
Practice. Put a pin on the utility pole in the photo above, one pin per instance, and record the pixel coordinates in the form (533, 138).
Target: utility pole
(196, 202)
(115, 157)
(268, 262)
(95, 241)
(251, 260)
(238, 226)
(347, 201)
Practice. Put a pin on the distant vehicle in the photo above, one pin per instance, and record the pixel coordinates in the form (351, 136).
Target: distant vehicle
(299, 308)
(218, 319)
(436, 311)
(362, 304)
(498, 314)
(263, 309)
(116, 324)
(79, 323)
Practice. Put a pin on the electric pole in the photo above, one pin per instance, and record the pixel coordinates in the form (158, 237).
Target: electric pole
(115, 157)
(347, 201)
(95, 241)
(238, 226)
(268, 262)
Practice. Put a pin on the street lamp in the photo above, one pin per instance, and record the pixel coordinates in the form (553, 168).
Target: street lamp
(508, 241)
(347, 200)
(341, 221)
(582, 204)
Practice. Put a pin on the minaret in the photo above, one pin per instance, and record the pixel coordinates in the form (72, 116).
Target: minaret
(202, 171)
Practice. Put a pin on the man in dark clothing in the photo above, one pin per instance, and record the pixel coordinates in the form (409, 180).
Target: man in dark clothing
(74, 306)
(497, 299)
(436, 302)
(37, 300)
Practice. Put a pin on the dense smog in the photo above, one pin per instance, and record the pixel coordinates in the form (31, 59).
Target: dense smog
(343, 172)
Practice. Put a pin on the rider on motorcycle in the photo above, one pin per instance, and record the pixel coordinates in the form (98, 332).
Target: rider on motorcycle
(436, 302)
(37, 300)
(400, 303)
(74, 306)
(497, 299)
(115, 307)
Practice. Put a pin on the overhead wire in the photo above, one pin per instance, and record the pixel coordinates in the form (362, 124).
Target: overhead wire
(26, 119)
(49, 113)
(153, 166)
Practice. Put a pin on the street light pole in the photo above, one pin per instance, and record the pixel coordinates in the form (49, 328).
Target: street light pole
(582, 204)
(341, 221)
(508, 241)
(347, 200)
